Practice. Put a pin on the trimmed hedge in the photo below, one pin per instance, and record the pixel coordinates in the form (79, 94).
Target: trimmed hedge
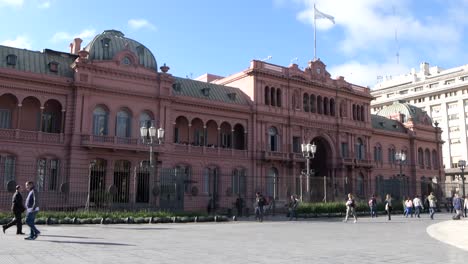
(340, 207)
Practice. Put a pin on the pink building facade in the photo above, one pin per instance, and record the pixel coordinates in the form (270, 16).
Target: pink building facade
(71, 122)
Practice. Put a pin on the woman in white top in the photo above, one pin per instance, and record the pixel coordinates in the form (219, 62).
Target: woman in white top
(465, 205)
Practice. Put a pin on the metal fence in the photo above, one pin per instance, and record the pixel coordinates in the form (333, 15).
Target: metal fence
(99, 187)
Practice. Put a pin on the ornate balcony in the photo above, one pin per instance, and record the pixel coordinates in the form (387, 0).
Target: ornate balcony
(274, 155)
(210, 150)
(31, 136)
(113, 142)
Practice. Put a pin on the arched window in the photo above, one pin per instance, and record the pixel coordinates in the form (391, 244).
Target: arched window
(360, 150)
(123, 127)
(319, 105)
(305, 102)
(378, 153)
(272, 183)
(146, 120)
(278, 97)
(421, 158)
(267, 95)
(325, 106)
(239, 137)
(391, 155)
(435, 159)
(100, 120)
(273, 96)
(8, 108)
(273, 139)
(332, 107)
(427, 156)
(295, 100)
(313, 107)
(238, 182)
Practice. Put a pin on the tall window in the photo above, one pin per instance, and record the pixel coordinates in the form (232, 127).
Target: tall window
(210, 181)
(7, 169)
(391, 155)
(296, 144)
(360, 150)
(238, 182)
(199, 136)
(123, 126)
(122, 181)
(305, 102)
(344, 150)
(319, 105)
(360, 185)
(312, 104)
(100, 120)
(267, 95)
(272, 183)
(48, 174)
(332, 107)
(435, 159)
(278, 97)
(421, 158)
(5, 118)
(273, 138)
(427, 156)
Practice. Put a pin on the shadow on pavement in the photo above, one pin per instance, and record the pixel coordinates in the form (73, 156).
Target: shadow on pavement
(140, 228)
(87, 243)
(70, 237)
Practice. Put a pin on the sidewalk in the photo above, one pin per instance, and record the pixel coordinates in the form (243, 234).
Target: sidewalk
(451, 232)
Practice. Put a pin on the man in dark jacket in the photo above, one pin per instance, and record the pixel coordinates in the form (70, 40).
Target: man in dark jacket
(17, 207)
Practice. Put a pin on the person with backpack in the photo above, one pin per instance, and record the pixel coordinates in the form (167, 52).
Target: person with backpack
(260, 202)
(373, 206)
(350, 208)
(432, 204)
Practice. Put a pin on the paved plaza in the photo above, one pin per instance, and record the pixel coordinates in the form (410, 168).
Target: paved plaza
(273, 241)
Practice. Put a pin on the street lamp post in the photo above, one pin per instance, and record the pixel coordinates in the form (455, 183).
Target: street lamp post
(400, 157)
(151, 137)
(308, 151)
(461, 165)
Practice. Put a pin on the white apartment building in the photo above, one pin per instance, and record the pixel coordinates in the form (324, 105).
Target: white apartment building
(443, 94)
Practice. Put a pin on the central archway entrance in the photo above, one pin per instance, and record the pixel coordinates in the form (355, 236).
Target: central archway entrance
(321, 167)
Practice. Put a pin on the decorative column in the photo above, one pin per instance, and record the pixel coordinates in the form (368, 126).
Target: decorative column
(40, 120)
(18, 118)
(218, 139)
(62, 128)
(189, 136)
(232, 141)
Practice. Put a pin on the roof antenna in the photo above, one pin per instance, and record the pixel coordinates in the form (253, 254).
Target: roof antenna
(267, 58)
(294, 60)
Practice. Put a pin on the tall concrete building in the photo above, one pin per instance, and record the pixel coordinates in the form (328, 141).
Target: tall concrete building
(443, 94)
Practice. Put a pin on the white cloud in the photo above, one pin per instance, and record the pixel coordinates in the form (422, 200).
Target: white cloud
(15, 3)
(65, 36)
(367, 74)
(21, 42)
(140, 23)
(44, 5)
(367, 22)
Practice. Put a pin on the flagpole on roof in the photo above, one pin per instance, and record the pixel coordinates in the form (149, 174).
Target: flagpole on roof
(315, 35)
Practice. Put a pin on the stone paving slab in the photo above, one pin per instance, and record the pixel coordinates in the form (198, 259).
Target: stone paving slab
(306, 241)
(452, 232)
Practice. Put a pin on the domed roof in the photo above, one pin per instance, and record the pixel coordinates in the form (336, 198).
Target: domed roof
(409, 111)
(107, 44)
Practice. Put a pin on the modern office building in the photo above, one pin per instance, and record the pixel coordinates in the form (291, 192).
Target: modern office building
(443, 94)
(71, 122)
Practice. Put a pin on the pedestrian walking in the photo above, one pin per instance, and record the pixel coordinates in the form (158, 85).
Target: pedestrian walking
(239, 205)
(465, 205)
(408, 207)
(418, 206)
(388, 206)
(432, 204)
(17, 207)
(260, 202)
(457, 206)
(292, 207)
(373, 206)
(350, 208)
(32, 208)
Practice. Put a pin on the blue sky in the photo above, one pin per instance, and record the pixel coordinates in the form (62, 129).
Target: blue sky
(222, 37)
